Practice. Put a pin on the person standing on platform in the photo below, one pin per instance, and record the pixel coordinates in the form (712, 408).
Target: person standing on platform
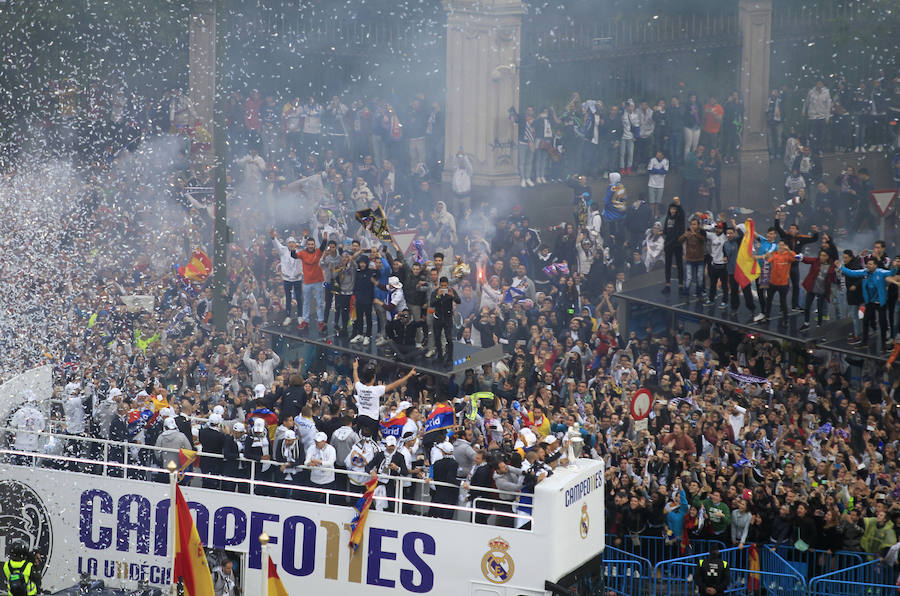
(673, 228)
(291, 275)
(442, 301)
(874, 289)
(795, 241)
(781, 262)
(313, 281)
(734, 237)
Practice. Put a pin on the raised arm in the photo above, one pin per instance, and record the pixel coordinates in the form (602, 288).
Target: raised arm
(399, 382)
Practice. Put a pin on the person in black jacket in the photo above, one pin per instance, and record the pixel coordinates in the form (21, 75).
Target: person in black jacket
(295, 396)
(402, 333)
(389, 462)
(258, 448)
(444, 470)
(233, 466)
(712, 576)
(482, 475)
(795, 242)
(118, 431)
(212, 441)
(442, 302)
(673, 228)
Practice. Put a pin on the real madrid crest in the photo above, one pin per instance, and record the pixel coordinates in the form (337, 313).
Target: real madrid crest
(585, 523)
(496, 565)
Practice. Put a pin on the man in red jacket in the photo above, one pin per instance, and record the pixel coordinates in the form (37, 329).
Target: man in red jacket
(313, 280)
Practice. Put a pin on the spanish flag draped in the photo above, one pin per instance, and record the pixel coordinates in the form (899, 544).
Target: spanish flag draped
(747, 268)
(197, 269)
(753, 580)
(358, 525)
(276, 588)
(190, 560)
(185, 458)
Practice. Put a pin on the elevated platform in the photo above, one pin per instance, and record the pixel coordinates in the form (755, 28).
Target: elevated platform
(464, 356)
(832, 335)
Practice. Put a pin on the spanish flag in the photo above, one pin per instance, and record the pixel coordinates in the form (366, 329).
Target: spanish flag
(753, 579)
(747, 268)
(358, 525)
(185, 458)
(276, 588)
(190, 560)
(197, 269)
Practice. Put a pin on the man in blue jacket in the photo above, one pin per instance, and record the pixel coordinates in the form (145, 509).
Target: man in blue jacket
(874, 290)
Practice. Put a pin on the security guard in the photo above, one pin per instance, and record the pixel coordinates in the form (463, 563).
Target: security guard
(19, 574)
(712, 576)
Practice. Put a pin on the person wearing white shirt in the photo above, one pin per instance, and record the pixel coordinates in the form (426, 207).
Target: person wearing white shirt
(321, 456)
(291, 275)
(306, 427)
(368, 395)
(736, 419)
(658, 168)
(27, 421)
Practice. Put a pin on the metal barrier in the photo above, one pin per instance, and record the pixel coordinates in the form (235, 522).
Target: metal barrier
(814, 562)
(88, 455)
(625, 573)
(655, 549)
(775, 575)
(871, 578)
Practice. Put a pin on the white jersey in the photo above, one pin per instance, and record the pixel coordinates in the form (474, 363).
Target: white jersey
(368, 399)
(28, 418)
(306, 429)
(74, 410)
(360, 455)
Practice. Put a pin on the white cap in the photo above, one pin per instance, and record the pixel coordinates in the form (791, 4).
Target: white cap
(259, 390)
(528, 437)
(390, 441)
(549, 439)
(614, 177)
(259, 425)
(114, 392)
(289, 434)
(167, 413)
(220, 410)
(404, 405)
(394, 282)
(445, 447)
(169, 424)
(215, 419)
(320, 436)
(239, 427)
(291, 239)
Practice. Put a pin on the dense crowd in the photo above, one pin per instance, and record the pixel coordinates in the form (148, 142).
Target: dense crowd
(749, 440)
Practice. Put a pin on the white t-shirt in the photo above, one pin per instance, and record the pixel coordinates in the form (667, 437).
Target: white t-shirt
(658, 180)
(368, 400)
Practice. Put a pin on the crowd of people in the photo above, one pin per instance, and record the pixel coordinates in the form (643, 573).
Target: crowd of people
(749, 440)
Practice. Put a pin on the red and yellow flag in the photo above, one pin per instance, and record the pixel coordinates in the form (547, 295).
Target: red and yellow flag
(197, 269)
(747, 268)
(185, 458)
(358, 525)
(276, 588)
(753, 580)
(190, 560)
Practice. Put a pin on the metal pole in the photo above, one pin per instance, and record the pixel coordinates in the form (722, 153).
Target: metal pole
(220, 236)
(173, 484)
(264, 541)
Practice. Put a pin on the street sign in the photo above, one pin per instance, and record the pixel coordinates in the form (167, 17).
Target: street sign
(641, 404)
(883, 199)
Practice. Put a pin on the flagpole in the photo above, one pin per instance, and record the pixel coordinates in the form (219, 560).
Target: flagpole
(170, 547)
(264, 541)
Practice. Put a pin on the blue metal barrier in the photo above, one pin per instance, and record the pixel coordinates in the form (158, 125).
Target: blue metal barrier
(775, 575)
(871, 578)
(625, 573)
(654, 548)
(814, 562)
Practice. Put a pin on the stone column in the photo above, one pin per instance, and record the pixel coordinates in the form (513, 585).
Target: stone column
(203, 66)
(483, 43)
(755, 20)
